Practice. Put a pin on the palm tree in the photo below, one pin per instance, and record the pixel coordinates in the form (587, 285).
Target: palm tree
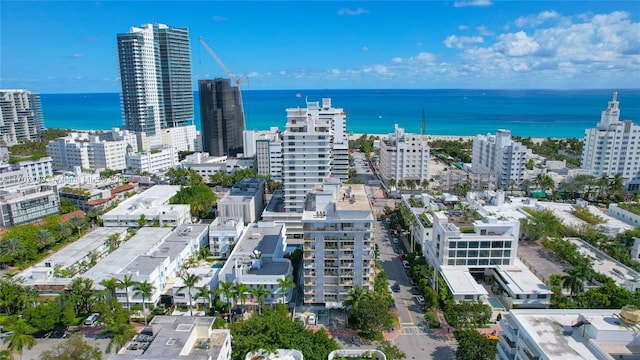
(391, 183)
(424, 184)
(13, 248)
(353, 299)
(616, 186)
(411, 185)
(574, 281)
(285, 283)
(226, 288)
(144, 289)
(204, 293)
(400, 184)
(110, 286)
(120, 335)
(44, 238)
(64, 230)
(241, 291)
(125, 284)
(259, 293)
(21, 337)
(190, 281)
(113, 242)
(77, 223)
(93, 215)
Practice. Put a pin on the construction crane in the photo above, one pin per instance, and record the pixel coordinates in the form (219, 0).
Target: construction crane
(224, 67)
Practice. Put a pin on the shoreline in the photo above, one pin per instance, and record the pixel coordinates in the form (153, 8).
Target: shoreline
(536, 140)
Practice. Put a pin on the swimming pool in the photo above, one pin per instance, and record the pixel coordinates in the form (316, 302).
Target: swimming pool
(495, 303)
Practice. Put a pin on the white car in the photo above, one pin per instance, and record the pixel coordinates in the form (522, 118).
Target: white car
(405, 264)
(395, 240)
(311, 319)
(420, 299)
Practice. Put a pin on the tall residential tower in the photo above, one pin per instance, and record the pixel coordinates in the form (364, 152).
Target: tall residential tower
(221, 116)
(20, 117)
(155, 72)
(500, 157)
(613, 147)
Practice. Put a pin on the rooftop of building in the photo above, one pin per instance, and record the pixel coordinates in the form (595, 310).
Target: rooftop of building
(605, 264)
(139, 245)
(461, 282)
(149, 201)
(173, 333)
(560, 333)
(279, 354)
(225, 223)
(334, 201)
(521, 280)
(276, 204)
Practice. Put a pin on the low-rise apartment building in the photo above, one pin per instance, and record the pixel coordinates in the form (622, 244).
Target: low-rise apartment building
(156, 160)
(224, 233)
(245, 199)
(153, 205)
(28, 203)
(258, 260)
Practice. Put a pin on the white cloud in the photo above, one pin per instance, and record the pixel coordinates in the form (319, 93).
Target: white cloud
(536, 19)
(365, 48)
(462, 41)
(464, 3)
(282, 72)
(335, 71)
(76, 56)
(396, 60)
(463, 27)
(484, 31)
(351, 12)
(518, 44)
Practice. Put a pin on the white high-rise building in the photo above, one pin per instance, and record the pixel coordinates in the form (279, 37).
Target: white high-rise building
(306, 155)
(404, 157)
(613, 147)
(499, 157)
(339, 140)
(20, 117)
(338, 243)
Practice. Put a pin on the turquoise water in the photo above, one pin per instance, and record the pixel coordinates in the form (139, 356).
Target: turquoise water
(533, 113)
(495, 303)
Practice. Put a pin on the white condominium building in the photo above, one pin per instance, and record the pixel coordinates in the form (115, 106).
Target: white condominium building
(87, 152)
(306, 156)
(27, 204)
(613, 147)
(404, 157)
(338, 243)
(153, 161)
(339, 140)
(500, 157)
(20, 117)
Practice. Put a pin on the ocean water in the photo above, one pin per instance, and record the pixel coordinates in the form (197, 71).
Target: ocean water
(532, 113)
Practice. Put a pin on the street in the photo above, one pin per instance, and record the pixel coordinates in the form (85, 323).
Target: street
(416, 340)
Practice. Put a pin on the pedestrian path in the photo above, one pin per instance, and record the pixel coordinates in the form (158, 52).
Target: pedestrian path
(413, 330)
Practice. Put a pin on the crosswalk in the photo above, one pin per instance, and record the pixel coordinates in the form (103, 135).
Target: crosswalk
(411, 329)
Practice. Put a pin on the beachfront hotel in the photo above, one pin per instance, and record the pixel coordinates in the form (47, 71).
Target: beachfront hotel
(404, 156)
(613, 147)
(499, 157)
(20, 117)
(338, 243)
(155, 73)
(221, 116)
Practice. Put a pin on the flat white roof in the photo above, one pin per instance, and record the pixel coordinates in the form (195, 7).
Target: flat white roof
(604, 264)
(148, 200)
(140, 244)
(520, 280)
(559, 334)
(461, 282)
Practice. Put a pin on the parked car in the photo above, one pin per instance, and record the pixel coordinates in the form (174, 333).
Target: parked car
(396, 287)
(92, 319)
(420, 299)
(6, 334)
(405, 264)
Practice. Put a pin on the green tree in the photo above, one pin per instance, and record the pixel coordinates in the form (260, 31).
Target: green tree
(285, 283)
(74, 348)
(259, 292)
(66, 206)
(354, 297)
(12, 250)
(145, 290)
(77, 223)
(391, 351)
(190, 281)
(370, 317)
(200, 197)
(80, 294)
(474, 346)
(126, 283)
(204, 293)
(45, 239)
(574, 281)
(44, 316)
(226, 288)
(142, 221)
(241, 290)
(274, 329)
(21, 337)
(120, 334)
(110, 285)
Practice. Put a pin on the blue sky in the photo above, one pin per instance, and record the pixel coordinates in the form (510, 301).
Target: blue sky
(70, 47)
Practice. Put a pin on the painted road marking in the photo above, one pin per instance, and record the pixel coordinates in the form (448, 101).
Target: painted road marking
(406, 304)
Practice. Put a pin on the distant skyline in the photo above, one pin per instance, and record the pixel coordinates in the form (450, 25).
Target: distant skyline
(70, 46)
